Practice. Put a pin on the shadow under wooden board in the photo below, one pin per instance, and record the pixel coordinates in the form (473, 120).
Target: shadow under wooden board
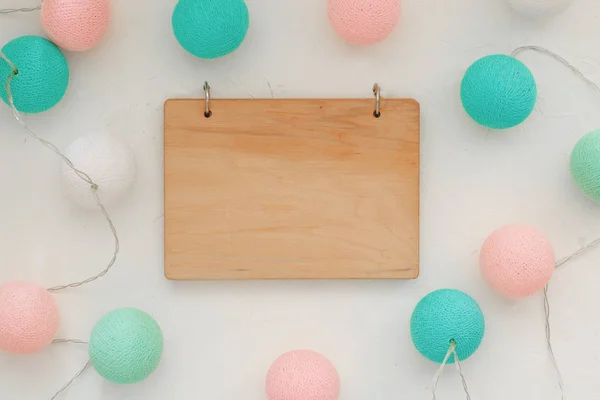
(291, 189)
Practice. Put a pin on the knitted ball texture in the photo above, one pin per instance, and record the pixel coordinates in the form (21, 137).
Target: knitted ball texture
(302, 375)
(126, 346)
(364, 22)
(539, 8)
(28, 318)
(498, 91)
(445, 315)
(585, 165)
(210, 28)
(43, 74)
(107, 160)
(517, 260)
(75, 25)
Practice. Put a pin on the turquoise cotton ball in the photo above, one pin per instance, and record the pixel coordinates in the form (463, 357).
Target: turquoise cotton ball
(126, 346)
(446, 315)
(210, 28)
(43, 74)
(585, 165)
(498, 91)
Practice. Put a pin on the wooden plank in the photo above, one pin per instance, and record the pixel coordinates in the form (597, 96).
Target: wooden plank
(291, 189)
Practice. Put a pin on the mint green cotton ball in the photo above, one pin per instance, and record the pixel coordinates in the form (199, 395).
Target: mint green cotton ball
(585, 165)
(43, 74)
(126, 346)
(210, 28)
(445, 315)
(498, 91)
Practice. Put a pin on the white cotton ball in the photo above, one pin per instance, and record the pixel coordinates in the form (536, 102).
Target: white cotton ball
(539, 8)
(108, 161)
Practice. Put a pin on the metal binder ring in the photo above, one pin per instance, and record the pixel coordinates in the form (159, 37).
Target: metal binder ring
(207, 112)
(377, 93)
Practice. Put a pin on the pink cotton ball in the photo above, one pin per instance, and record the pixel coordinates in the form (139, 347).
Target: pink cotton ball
(302, 375)
(364, 22)
(28, 318)
(517, 260)
(75, 25)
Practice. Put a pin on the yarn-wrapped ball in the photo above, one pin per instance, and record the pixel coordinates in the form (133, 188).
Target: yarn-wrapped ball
(107, 160)
(364, 22)
(445, 315)
(28, 318)
(76, 25)
(126, 346)
(43, 74)
(302, 375)
(585, 165)
(517, 260)
(498, 91)
(210, 28)
(539, 8)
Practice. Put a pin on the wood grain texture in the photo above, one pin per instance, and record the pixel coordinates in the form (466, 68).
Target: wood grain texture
(291, 189)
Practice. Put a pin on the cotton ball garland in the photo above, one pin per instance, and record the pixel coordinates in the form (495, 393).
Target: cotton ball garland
(585, 165)
(76, 25)
(445, 315)
(498, 91)
(539, 8)
(43, 74)
(210, 28)
(517, 260)
(108, 161)
(302, 375)
(28, 318)
(364, 22)
(126, 346)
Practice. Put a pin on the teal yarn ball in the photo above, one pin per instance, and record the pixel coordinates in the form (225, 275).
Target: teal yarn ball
(498, 91)
(43, 74)
(210, 28)
(126, 346)
(585, 165)
(446, 315)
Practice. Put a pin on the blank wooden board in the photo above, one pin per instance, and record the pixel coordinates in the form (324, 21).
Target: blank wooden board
(291, 189)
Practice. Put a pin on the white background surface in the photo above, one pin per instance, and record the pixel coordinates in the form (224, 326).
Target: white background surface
(220, 338)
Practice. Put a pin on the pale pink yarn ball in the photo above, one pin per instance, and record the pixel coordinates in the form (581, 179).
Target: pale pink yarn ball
(302, 375)
(76, 25)
(517, 260)
(364, 22)
(28, 318)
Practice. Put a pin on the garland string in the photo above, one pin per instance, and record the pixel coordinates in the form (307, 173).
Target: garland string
(81, 174)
